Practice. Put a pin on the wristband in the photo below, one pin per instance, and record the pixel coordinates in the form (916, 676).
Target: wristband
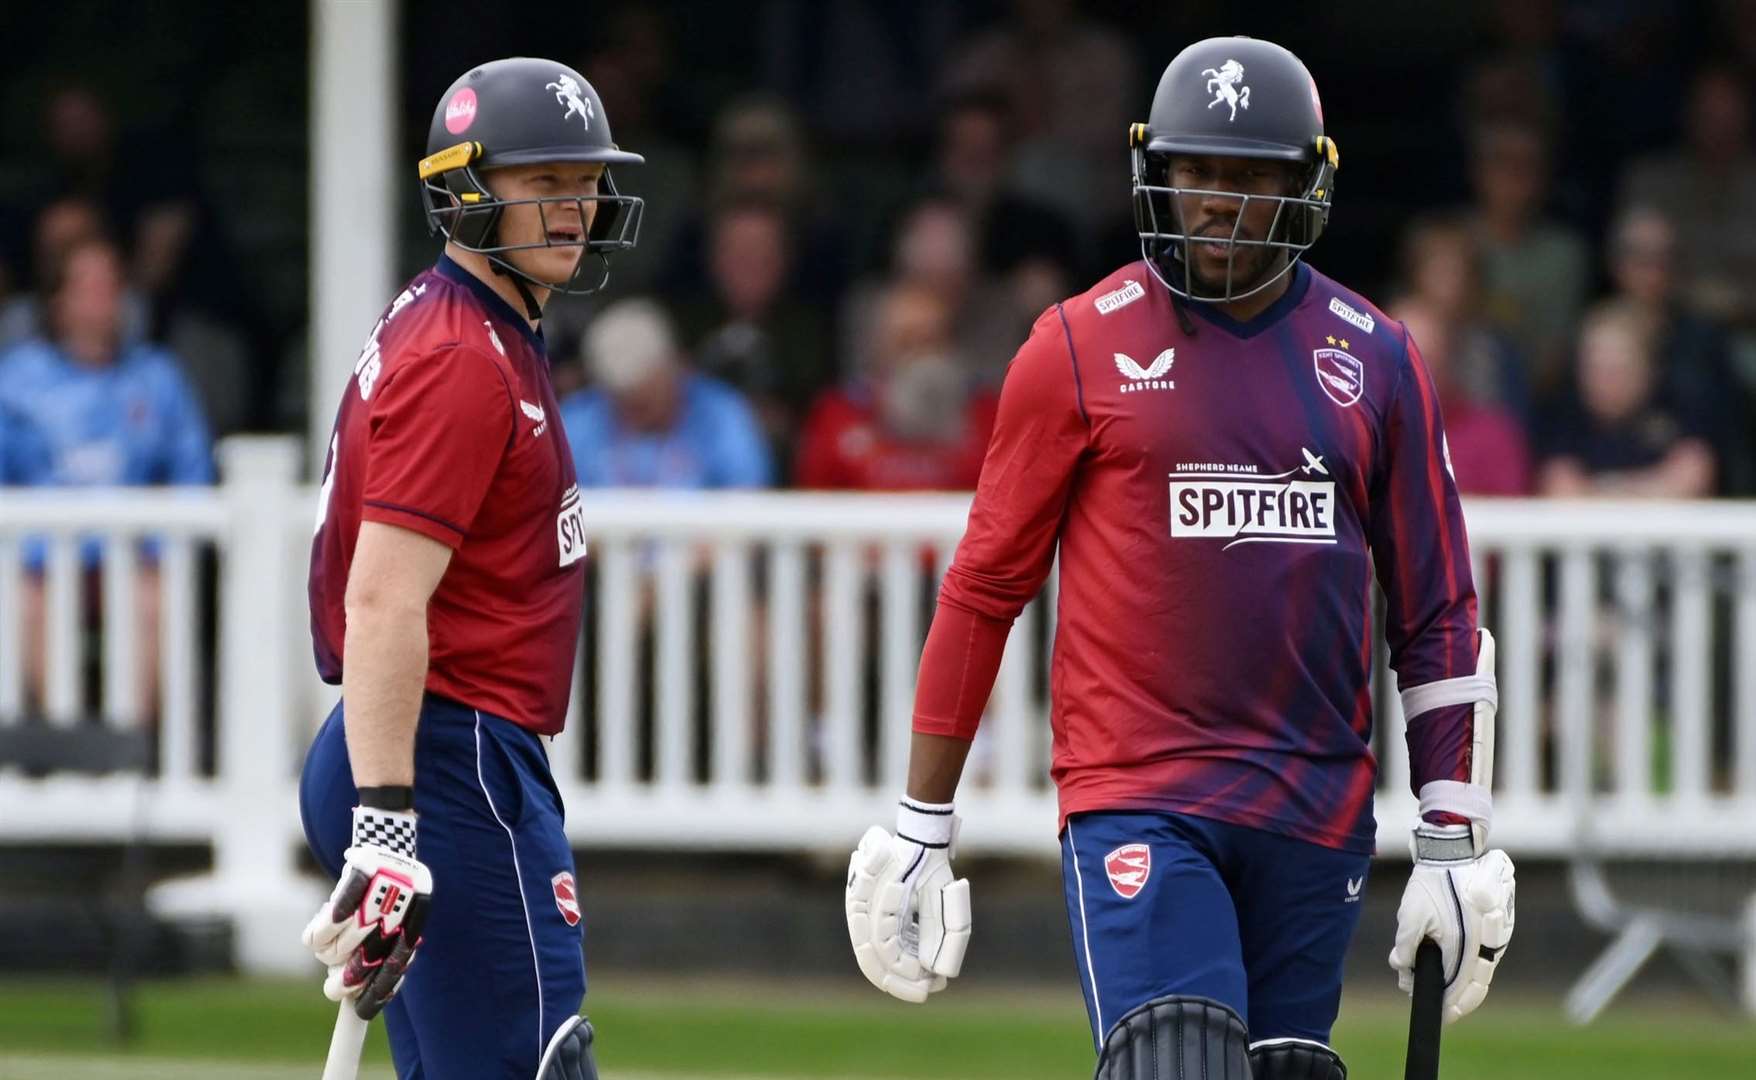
(1444, 843)
(926, 824)
(399, 797)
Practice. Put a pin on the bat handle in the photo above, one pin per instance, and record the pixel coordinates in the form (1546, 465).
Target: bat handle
(1426, 1014)
(345, 1044)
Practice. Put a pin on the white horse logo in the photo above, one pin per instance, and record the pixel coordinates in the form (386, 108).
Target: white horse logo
(567, 93)
(1223, 85)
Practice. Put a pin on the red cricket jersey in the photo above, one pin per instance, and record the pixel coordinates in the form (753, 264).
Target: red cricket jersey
(1221, 497)
(450, 427)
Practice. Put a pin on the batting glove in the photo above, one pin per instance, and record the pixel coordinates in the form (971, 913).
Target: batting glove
(908, 919)
(368, 929)
(1463, 901)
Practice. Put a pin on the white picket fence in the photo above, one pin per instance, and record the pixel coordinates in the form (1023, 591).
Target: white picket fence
(751, 669)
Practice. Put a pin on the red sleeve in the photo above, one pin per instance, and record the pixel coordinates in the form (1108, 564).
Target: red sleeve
(1040, 432)
(439, 425)
(1421, 553)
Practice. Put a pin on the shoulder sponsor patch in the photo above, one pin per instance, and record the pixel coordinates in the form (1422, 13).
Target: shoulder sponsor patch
(1117, 299)
(1347, 314)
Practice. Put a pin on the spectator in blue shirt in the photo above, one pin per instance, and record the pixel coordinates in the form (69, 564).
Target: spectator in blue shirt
(105, 411)
(112, 411)
(22, 453)
(648, 421)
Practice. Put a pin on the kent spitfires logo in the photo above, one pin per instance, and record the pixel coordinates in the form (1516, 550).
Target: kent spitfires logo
(1146, 378)
(567, 93)
(1128, 868)
(1339, 373)
(1223, 84)
(566, 897)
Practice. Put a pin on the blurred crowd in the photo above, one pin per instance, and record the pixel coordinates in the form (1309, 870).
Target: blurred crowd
(825, 296)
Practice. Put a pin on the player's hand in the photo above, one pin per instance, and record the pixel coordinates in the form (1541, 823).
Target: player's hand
(368, 929)
(908, 919)
(1465, 904)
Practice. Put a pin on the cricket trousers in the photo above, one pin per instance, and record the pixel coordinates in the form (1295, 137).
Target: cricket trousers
(501, 964)
(1165, 903)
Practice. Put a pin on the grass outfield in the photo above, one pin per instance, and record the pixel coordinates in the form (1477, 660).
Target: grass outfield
(770, 1030)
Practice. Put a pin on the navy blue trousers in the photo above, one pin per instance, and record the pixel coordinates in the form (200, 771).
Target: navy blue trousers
(501, 964)
(1165, 903)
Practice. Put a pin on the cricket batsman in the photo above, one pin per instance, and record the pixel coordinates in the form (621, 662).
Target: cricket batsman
(446, 594)
(1225, 445)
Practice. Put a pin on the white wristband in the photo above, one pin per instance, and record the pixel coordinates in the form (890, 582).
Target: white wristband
(927, 824)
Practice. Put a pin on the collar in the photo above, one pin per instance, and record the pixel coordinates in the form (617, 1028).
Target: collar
(1268, 316)
(448, 269)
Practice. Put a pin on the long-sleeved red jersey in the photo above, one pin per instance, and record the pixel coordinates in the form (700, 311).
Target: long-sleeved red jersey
(1220, 498)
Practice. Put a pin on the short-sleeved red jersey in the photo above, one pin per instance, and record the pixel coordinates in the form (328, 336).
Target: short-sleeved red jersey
(450, 427)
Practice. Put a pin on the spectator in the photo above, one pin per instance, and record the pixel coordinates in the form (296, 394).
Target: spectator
(935, 248)
(63, 223)
(971, 163)
(1616, 438)
(1070, 83)
(632, 73)
(649, 421)
(1441, 274)
(1695, 374)
(109, 412)
(758, 155)
(1485, 444)
(910, 423)
(1707, 189)
(1534, 270)
(22, 453)
(751, 332)
(183, 274)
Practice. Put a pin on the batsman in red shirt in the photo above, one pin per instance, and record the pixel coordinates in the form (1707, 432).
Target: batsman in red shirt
(1225, 446)
(446, 595)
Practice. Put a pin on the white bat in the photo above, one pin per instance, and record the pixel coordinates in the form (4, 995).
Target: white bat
(345, 1045)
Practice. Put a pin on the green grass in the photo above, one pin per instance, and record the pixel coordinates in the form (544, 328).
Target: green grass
(769, 1028)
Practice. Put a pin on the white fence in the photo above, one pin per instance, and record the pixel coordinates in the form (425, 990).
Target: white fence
(749, 674)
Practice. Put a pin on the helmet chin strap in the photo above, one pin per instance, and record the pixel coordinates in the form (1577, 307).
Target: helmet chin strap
(532, 310)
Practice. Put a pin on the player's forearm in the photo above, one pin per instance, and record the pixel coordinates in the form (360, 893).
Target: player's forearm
(384, 674)
(935, 764)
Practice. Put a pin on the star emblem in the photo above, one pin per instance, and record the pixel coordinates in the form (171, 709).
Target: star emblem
(1330, 339)
(1344, 343)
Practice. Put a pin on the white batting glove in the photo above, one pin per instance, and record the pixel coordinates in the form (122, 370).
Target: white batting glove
(368, 929)
(1465, 903)
(908, 919)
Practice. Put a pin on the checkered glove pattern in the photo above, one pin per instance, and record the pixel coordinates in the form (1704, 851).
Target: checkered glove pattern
(385, 829)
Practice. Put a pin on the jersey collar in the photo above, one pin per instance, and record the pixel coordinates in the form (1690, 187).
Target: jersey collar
(1268, 316)
(448, 269)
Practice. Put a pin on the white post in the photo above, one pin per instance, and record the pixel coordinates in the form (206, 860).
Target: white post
(1747, 962)
(353, 167)
(255, 881)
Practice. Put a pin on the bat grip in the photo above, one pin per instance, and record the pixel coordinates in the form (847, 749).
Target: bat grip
(1426, 1014)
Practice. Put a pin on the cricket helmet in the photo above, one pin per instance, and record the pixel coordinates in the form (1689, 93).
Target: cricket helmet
(522, 111)
(1231, 97)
